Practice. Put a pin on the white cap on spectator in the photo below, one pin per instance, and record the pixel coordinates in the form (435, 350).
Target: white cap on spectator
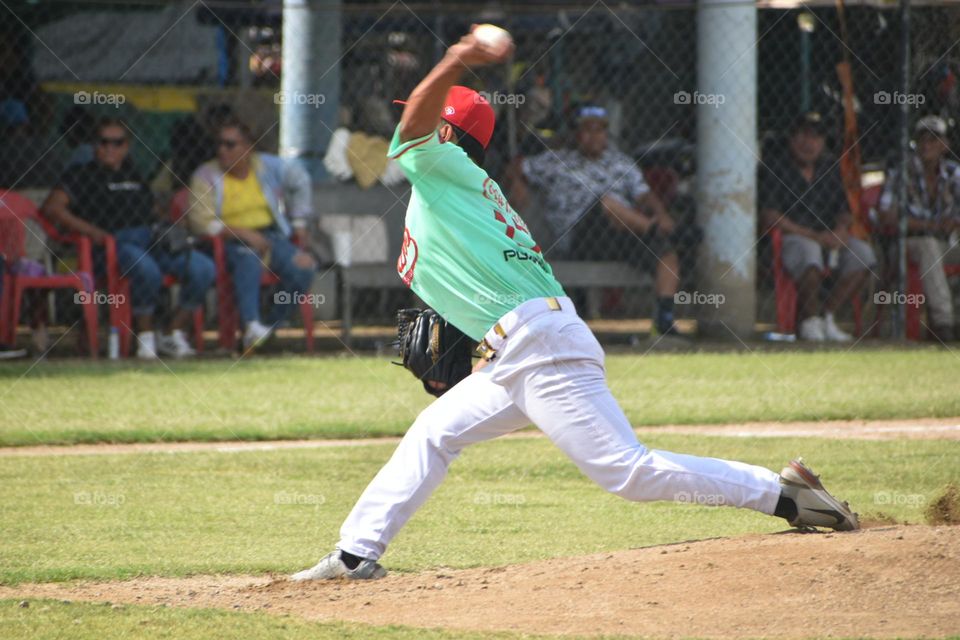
(933, 124)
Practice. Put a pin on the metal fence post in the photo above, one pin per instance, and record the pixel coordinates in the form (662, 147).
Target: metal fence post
(900, 318)
(726, 165)
(310, 82)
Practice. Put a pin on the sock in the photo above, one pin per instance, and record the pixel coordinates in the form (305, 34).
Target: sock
(351, 560)
(664, 313)
(786, 508)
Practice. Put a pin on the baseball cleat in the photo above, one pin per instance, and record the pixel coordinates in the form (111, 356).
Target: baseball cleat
(332, 567)
(815, 507)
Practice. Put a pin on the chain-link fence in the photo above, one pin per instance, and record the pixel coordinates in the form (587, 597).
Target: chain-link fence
(671, 160)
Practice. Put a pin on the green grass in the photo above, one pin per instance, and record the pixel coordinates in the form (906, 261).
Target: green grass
(263, 398)
(504, 502)
(85, 621)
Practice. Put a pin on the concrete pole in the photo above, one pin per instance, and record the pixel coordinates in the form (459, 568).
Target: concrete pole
(309, 96)
(726, 100)
(900, 317)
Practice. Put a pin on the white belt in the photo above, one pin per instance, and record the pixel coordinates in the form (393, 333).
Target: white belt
(513, 320)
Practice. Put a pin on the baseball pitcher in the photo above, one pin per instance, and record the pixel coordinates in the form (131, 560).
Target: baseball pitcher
(471, 258)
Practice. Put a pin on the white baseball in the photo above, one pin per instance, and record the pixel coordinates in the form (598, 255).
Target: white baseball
(493, 37)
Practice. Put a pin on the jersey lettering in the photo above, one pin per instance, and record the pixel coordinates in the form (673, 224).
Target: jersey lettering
(407, 261)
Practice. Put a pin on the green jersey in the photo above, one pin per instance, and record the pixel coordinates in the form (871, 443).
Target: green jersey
(465, 251)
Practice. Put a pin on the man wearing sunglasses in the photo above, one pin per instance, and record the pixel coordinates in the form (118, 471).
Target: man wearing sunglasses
(257, 201)
(107, 196)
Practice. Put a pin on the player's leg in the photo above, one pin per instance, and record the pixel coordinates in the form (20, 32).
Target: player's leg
(475, 410)
(569, 400)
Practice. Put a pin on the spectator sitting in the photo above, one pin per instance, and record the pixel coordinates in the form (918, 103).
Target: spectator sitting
(247, 196)
(108, 196)
(600, 208)
(802, 194)
(933, 197)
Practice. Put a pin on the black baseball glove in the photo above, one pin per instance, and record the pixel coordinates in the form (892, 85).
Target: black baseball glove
(434, 350)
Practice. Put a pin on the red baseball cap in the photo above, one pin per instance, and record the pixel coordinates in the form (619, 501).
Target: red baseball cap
(466, 109)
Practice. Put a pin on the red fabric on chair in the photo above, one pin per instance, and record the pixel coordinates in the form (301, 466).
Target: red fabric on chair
(14, 206)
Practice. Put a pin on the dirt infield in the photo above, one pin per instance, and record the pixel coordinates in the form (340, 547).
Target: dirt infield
(921, 429)
(877, 583)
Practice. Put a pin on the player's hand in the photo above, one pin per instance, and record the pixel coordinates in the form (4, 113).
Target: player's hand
(471, 53)
(481, 363)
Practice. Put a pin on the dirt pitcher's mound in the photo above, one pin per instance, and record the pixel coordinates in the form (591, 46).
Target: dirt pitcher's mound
(876, 583)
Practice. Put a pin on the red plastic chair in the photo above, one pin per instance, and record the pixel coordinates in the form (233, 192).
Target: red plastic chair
(15, 285)
(785, 292)
(229, 323)
(121, 315)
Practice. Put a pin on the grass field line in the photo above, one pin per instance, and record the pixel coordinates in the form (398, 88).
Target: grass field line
(919, 428)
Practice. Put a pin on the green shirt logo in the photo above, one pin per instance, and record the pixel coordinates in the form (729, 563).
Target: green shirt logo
(465, 251)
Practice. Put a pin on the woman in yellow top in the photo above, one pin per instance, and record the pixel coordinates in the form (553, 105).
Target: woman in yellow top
(257, 201)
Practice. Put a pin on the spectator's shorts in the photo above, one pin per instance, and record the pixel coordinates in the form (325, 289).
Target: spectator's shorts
(800, 254)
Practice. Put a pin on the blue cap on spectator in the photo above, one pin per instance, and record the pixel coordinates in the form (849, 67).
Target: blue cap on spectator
(591, 112)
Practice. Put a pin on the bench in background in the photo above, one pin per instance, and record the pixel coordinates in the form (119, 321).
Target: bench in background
(592, 276)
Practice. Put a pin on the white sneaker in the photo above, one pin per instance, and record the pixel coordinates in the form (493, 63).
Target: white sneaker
(146, 345)
(331, 567)
(255, 335)
(812, 329)
(176, 345)
(832, 332)
(815, 506)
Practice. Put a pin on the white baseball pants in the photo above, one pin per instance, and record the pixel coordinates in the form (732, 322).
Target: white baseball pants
(548, 371)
